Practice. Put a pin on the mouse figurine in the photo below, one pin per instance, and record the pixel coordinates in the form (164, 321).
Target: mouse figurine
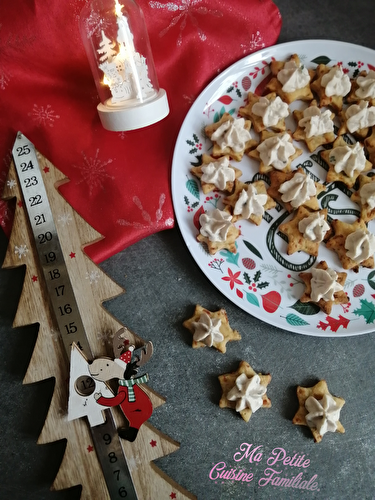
(132, 399)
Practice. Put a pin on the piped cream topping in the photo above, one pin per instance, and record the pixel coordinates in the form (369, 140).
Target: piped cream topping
(367, 194)
(207, 330)
(315, 122)
(323, 414)
(293, 76)
(298, 189)
(232, 134)
(247, 392)
(215, 224)
(360, 245)
(366, 86)
(314, 227)
(324, 284)
(336, 82)
(276, 151)
(348, 159)
(360, 116)
(250, 203)
(271, 111)
(218, 173)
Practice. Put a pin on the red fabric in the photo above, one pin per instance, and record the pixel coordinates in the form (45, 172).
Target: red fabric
(119, 182)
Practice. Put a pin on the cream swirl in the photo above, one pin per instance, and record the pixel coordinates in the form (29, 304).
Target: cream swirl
(336, 82)
(298, 189)
(360, 245)
(315, 122)
(314, 227)
(323, 414)
(366, 86)
(250, 203)
(232, 134)
(293, 77)
(348, 159)
(207, 330)
(276, 151)
(367, 194)
(271, 111)
(324, 284)
(218, 173)
(360, 116)
(247, 392)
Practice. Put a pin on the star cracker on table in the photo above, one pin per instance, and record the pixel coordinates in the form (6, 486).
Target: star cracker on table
(318, 391)
(231, 201)
(256, 119)
(329, 157)
(337, 243)
(228, 150)
(300, 133)
(334, 101)
(366, 189)
(278, 178)
(211, 329)
(207, 187)
(339, 297)
(266, 139)
(274, 85)
(296, 240)
(228, 384)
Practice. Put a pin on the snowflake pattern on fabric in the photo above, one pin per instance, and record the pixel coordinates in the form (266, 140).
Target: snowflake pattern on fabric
(146, 216)
(4, 79)
(93, 171)
(256, 42)
(186, 10)
(43, 115)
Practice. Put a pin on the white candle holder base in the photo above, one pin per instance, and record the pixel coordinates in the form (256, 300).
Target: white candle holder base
(121, 119)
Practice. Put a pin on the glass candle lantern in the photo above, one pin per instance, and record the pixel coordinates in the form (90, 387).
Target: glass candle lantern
(115, 37)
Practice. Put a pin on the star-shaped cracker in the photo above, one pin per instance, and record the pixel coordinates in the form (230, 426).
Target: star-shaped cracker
(361, 77)
(231, 201)
(256, 119)
(217, 150)
(274, 85)
(228, 382)
(266, 139)
(232, 233)
(337, 243)
(300, 133)
(207, 187)
(329, 157)
(359, 108)
(278, 178)
(334, 101)
(318, 391)
(370, 146)
(296, 240)
(218, 321)
(359, 196)
(340, 297)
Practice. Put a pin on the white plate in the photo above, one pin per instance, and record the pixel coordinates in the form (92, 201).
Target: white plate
(261, 278)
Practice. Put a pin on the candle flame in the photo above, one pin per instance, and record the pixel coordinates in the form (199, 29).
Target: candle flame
(118, 8)
(105, 81)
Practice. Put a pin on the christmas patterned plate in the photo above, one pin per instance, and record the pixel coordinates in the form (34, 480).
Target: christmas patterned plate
(261, 278)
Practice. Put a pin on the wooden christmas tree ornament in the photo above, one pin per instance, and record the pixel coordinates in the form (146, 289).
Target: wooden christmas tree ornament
(108, 452)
